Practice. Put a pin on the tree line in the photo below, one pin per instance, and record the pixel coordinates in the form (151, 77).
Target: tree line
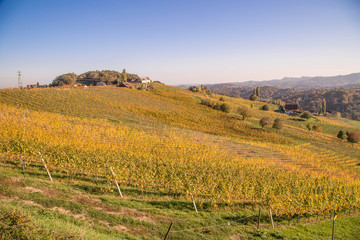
(106, 76)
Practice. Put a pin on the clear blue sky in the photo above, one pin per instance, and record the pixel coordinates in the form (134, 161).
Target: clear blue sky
(176, 42)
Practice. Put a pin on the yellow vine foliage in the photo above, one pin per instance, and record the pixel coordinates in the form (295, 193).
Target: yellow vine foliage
(166, 161)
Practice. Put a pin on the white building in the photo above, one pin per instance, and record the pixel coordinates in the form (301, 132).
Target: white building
(145, 80)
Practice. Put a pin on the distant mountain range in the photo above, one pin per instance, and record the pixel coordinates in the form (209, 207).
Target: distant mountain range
(306, 83)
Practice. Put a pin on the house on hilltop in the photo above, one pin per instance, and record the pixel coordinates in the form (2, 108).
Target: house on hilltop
(291, 107)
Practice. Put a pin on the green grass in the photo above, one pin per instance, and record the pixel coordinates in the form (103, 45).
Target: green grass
(64, 210)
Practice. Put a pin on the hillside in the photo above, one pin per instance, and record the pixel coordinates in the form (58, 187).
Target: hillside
(169, 153)
(345, 101)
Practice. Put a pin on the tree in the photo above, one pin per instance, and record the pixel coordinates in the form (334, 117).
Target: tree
(257, 92)
(323, 106)
(306, 115)
(353, 137)
(341, 135)
(244, 112)
(68, 78)
(225, 107)
(277, 124)
(264, 121)
(124, 75)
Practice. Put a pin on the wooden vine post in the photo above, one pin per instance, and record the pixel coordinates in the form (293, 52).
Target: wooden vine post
(192, 198)
(117, 185)
(47, 170)
(271, 218)
(22, 162)
(168, 232)
(259, 218)
(333, 229)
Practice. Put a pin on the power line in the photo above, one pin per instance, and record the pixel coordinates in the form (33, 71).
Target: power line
(20, 85)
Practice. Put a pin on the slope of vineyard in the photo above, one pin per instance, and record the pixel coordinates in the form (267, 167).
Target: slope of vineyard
(162, 141)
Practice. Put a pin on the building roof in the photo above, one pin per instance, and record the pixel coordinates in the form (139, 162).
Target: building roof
(291, 106)
(125, 84)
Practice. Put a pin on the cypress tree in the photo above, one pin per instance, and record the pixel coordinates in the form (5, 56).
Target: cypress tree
(257, 92)
(124, 75)
(323, 106)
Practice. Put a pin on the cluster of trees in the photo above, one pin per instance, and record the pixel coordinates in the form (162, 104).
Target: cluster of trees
(256, 94)
(352, 137)
(246, 112)
(216, 105)
(201, 88)
(107, 76)
(265, 121)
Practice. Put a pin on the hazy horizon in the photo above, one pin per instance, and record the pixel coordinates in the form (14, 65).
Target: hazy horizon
(180, 42)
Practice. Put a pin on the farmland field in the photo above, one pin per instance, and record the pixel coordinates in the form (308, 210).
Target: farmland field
(167, 151)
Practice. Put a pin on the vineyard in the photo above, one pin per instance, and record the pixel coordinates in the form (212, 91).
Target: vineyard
(162, 140)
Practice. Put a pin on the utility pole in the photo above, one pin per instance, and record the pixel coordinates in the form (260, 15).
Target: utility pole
(19, 80)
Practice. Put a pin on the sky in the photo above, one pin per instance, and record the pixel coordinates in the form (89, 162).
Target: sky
(179, 41)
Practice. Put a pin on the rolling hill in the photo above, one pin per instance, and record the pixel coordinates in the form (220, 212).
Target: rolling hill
(170, 155)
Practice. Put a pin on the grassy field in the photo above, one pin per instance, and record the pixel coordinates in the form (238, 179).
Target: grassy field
(167, 149)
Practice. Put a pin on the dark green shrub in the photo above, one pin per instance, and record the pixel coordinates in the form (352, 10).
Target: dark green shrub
(265, 107)
(254, 98)
(225, 107)
(216, 105)
(306, 115)
(341, 135)
(317, 128)
(206, 102)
